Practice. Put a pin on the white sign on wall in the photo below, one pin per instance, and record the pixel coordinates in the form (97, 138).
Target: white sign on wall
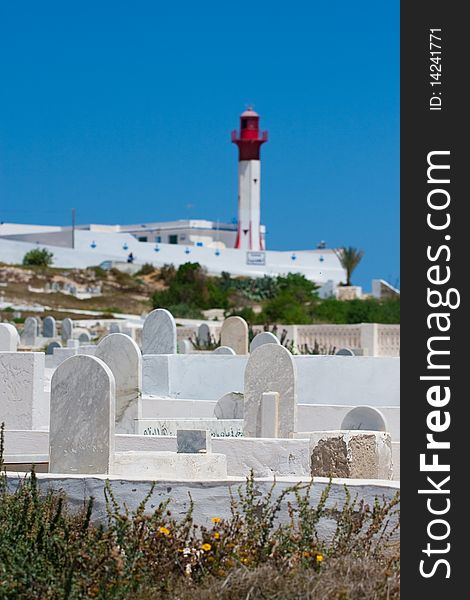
(256, 258)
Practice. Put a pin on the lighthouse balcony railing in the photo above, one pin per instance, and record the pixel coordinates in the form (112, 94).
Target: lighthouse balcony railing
(263, 137)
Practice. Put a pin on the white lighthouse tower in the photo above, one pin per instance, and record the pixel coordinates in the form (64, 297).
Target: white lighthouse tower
(249, 181)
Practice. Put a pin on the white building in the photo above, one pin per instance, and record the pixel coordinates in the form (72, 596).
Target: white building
(238, 248)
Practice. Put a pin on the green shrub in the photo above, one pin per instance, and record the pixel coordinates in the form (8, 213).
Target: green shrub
(39, 257)
(288, 299)
(145, 269)
(99, 272)
(370, 310)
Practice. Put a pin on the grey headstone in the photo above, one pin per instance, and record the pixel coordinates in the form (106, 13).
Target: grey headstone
(67, 329)
(49, 327)
(51, 346)
(193, 441)
(234, 334)
(81, 433)
(9, 338)
(123, 357)
(224, 350)
(270, 368)
(84, 338)
(159, 333)
(28, 337)
(365, 418)
(344, 352)
(265, 337)
(73, 343)
(115, 328)
(230, 406)
(204, 333)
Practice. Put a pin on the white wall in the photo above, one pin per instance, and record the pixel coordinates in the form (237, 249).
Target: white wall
(338, 380)
(359, 380)
(211, 499)
(110, 246)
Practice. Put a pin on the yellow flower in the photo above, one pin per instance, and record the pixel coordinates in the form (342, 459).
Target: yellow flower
(164, 530)
(216, 519)
(319, 557)
(206, 547)
(216, 535)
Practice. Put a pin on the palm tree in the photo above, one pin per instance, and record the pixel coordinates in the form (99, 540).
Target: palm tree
(349, 258)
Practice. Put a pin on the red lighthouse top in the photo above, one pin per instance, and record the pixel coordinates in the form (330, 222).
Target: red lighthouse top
(250, 138)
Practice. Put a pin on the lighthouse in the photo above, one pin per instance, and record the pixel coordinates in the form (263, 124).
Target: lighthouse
(249, 142)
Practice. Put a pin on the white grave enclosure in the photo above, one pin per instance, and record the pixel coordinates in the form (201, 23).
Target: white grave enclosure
(23, 402)
(138, 408)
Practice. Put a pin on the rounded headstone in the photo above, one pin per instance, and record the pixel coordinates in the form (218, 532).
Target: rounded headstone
(67, 329)
(270, 368)
(230, 406)
(81, 432)
(159, 333)
(49, 327)
(234, 334)
(123, 357)
(204, 333)
(265, 337)
(115, 328)
(30, 331)
(51, 346)
(224, 350)
(9, 338)
(185, 347)
(344, 352)
(365, 418)
(84, 338)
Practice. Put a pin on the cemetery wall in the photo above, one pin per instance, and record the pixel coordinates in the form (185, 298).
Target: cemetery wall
(211, 499)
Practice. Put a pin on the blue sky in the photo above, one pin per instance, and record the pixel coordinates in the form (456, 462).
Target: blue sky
(123, 110)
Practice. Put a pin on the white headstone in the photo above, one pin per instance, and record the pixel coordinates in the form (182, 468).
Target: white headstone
(224, 350)
(270, 368)
(9, 338)
(365, 418)
(73, 343)
(265, 337)
(185, 347)
(270, 415)
(28, 337)
(49, 327)
(81, 433)
(67, 328)
(123, 357)
(115, 328)
(230, 406)
(234, 333)
(159, 333)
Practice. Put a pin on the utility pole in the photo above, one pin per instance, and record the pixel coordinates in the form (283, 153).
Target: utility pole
(73, 228)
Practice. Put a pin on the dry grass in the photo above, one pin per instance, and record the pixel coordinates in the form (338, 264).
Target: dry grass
(343, 578)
